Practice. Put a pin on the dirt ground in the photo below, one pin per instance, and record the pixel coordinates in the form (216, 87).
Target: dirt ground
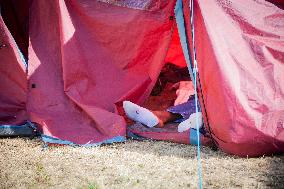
(24, 163)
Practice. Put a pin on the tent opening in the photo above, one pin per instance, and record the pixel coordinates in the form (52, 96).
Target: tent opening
(163, 96)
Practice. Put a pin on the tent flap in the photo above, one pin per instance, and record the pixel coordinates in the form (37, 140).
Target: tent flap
(13, 80)
(97, 56)
(240, 55)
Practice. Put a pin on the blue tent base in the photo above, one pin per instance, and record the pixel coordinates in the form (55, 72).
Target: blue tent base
(25, 130)
(52, 140)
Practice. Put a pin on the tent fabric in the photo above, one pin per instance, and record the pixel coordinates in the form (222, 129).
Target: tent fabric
(240, 55)
(13, 79)
(169, 133)
(85, 57)
(174, 53)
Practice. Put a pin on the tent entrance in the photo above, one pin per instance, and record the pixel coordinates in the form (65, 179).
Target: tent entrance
(163, 96)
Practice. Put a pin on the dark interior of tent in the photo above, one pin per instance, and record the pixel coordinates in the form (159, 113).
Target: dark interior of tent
(174, 69)
(16, 17)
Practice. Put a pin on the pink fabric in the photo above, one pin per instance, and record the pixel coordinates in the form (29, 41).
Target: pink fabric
(240, 54)
(168, 133)
(174, 53)
(85, 56)
(13, 80)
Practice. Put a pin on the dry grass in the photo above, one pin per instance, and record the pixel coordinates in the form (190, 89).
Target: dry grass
(147, 164)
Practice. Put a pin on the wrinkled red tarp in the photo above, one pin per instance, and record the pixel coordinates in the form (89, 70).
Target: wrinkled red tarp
(85, 56)
(240, 54)
(13, 80)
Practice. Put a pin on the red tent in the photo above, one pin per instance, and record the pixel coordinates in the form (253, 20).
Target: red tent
(86, 57)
